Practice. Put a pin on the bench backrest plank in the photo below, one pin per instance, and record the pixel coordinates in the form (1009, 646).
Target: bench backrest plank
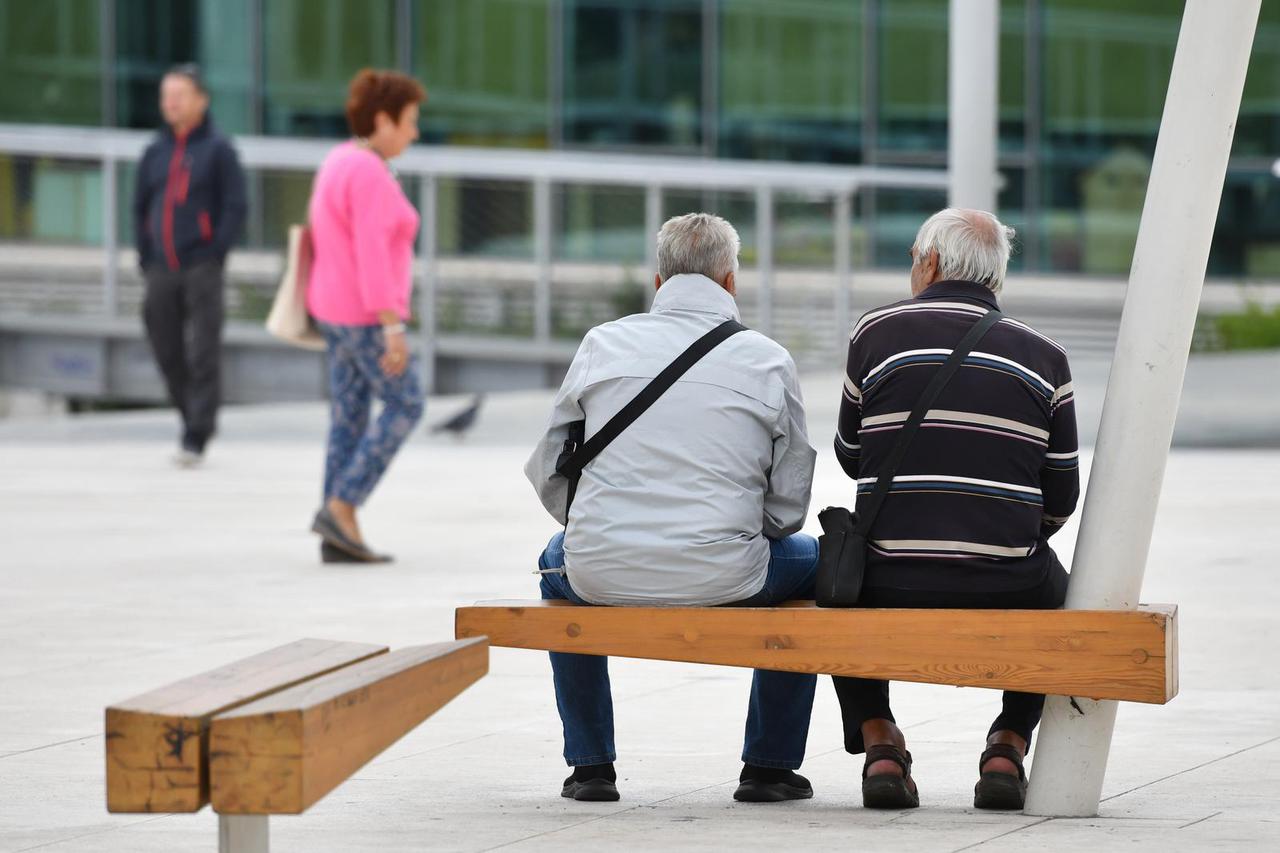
(283, 753)
(157, 743)
(1128, 655)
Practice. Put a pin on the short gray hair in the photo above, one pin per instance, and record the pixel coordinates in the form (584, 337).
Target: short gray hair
(701, 243)
(972, 245)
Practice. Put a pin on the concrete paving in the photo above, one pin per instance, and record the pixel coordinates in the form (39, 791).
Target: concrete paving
(121, 573)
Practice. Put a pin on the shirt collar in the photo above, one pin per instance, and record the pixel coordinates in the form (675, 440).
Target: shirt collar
(956, 288)
(693, 292)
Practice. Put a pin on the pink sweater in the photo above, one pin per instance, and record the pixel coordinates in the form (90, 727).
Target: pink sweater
(362, 228)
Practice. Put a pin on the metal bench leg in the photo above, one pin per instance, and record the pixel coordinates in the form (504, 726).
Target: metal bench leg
(242, 833)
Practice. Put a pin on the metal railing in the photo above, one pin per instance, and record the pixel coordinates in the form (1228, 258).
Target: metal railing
(543, 170)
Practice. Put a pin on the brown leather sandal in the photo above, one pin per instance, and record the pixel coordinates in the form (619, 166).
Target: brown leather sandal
(1000, 790)
(885, 790)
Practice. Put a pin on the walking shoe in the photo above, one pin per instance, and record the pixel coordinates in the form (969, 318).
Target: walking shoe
(327, 527)
(771, 785)
(594, 783)
(331, 554)
(186, 458)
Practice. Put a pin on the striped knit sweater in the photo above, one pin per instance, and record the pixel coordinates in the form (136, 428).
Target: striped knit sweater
(992, 473)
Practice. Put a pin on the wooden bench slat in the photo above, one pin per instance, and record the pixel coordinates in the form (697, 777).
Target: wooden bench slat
(281, 754)
(157, 743)
(1099, 654)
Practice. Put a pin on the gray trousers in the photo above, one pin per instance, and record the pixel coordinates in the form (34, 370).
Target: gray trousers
(183, 312)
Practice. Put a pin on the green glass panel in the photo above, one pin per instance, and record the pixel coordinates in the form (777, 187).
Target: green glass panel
(48, 200)
(480, 217)
(633, 73)
(791, 80)
(912, 89)
(599, 223)
(1246, 241)
(152, 36)
(1012, 106)
(804, 235)
(225, 53)
(50, 62)
(484, 63)
(1106, 71)
(1258, 132)
(311, 50)
(913, 46)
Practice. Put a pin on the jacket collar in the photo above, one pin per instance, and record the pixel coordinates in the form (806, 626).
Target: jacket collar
(693, 292)
(957, 289)
(201, 130)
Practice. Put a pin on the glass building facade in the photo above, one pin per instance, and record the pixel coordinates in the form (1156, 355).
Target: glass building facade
(1082, 86)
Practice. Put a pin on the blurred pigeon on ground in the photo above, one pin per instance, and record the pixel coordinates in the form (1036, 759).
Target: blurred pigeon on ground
(463, 421)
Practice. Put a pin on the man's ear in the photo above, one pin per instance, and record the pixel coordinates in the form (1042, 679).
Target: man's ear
(730, 284)
(657, 280)
(929, 266)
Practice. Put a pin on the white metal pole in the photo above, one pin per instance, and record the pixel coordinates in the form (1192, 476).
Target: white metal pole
(542, 249)
(764, 259)
(973, 90)
(243, 833)
(652, 223)
(427, 204)
(110, 237)
(843, 219)
(1138, 414)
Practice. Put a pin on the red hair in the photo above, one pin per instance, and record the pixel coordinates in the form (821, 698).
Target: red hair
(372, 92)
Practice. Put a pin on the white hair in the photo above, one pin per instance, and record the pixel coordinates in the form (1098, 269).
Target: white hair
(972, 245)
(701, 243)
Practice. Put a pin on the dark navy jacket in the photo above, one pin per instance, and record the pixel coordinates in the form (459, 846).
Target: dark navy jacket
(189, 202)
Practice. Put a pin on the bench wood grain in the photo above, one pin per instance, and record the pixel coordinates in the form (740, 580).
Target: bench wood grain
(157, 743)
(283, 753)
(1099, 654)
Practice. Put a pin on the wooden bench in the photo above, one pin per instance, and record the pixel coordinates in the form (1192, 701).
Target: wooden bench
(1098, 654)
(273, 733)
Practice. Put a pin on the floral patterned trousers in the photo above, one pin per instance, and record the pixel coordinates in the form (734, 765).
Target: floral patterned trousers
(359, 451)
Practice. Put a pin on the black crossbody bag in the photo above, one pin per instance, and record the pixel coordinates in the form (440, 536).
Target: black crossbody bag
(579, 451)
(842, 547)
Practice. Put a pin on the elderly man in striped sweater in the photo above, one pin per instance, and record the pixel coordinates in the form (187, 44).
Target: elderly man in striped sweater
(989, 477)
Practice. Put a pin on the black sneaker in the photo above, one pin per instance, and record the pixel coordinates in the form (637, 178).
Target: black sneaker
(591, 790)
(770, 785)
(593, 784)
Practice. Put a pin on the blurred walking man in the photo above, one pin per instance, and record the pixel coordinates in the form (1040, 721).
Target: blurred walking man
(188, 209)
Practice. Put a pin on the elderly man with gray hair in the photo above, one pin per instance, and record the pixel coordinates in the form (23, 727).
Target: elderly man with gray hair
(677, 458)
(989, 476)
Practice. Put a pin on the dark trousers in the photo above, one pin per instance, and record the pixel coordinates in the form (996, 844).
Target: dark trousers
(183, 312)
(863, 699)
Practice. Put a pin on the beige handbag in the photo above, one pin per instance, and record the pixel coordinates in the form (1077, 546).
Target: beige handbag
(289, 320)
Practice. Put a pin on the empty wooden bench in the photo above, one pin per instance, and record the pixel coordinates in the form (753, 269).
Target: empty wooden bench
(273, 733)
(1098, 654)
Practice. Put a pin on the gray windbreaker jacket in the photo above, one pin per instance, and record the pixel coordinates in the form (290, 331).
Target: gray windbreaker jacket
(678, 509)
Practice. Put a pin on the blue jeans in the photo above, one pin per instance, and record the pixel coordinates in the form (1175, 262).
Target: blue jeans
(358, 454)
(781, 702)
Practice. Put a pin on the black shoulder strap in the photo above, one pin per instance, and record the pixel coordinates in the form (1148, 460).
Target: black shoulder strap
(908, 431)
(572, 465)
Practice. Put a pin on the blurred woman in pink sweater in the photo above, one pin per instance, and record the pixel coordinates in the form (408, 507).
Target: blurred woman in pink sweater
(363, 229)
